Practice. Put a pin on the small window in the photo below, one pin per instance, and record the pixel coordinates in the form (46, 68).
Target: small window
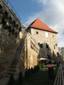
(41, 45)
(56, 44)
(0, 7)
(47, 46)
(52, 35)
(36, 32)
(54, 47)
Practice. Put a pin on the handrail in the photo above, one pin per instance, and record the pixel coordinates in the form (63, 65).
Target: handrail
(59, 80)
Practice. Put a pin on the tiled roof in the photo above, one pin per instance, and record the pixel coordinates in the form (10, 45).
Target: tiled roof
(38, 24)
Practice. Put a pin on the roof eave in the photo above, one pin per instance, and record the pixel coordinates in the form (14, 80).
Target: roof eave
(45, 30)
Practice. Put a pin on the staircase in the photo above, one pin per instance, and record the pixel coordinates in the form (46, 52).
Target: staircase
(13, 66)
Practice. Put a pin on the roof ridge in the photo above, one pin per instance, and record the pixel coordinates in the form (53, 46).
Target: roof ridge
(40, 25)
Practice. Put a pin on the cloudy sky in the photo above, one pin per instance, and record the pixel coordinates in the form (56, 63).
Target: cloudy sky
(49, 11)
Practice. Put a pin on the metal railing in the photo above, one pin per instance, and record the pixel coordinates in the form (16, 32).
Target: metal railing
(59, 80)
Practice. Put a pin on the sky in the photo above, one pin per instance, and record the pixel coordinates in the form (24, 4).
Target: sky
(49, 11)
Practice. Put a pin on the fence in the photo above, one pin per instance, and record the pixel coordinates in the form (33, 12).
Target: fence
(59, 80)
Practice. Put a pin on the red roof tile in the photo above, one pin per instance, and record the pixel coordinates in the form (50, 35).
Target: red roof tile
(38, 24)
